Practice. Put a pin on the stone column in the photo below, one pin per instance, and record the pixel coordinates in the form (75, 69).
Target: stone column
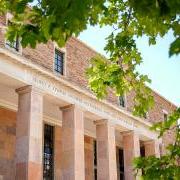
(29, 134)
(58, 153)
(72, 143)
(106, 151)
(131, 150)
(152, 148)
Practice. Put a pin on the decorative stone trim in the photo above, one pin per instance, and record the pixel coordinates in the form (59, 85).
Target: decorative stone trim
(125, 133)
(66, 107)
(101, 121)
(104, 121)
(8, 105)
(25, 71)
(27, 89)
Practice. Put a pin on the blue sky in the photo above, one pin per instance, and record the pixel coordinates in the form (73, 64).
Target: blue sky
(162, 70)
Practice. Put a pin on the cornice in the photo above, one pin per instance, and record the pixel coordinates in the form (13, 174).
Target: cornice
(28, 89)
(18, 59)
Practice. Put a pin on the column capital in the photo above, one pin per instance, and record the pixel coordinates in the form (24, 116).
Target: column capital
(126, 133)
(103, 121)
(152, 141)
(29, 88)
(69, 106)
(148, 142)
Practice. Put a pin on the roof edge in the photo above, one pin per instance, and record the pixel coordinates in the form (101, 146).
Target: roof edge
(92, 49)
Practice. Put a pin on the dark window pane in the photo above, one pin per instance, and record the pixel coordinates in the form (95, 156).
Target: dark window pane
(122, 176)
(95, 153)
(59, 61)
(121, 164)
(122, 101)
(142, 151)
(48, 152)
(95, 160)
(165, 117)
(145, 115)
(95, 174)
(14, 45)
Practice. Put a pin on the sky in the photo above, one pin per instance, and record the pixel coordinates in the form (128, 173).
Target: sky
(162, 70)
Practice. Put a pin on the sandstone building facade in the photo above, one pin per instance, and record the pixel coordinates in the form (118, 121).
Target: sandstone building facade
(52, 127)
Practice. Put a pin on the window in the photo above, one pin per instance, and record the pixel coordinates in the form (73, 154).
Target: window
(95, 160)
(15, 45)
(59, 61)
(142, 151)
(121, 163)
(165, 116)
(146, 115)
(122, 101)
(48, 170)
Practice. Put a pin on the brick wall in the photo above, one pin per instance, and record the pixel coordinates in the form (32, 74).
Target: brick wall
(7, 144)
(43, 55)
(156, 114)
(77, 60)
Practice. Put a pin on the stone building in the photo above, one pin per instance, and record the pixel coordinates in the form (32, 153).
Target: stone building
(53, 127)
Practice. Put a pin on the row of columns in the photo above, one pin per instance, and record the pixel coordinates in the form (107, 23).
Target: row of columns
(29, 142)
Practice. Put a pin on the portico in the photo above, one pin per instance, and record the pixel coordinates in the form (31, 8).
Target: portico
(38, 97)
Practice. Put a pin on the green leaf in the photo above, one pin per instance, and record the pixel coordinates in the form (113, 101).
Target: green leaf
(175, 47)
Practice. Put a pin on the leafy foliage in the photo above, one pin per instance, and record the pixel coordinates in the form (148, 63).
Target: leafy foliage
(166, 167)
(38, 21)
(43, 20)
(103, 74)
(131, 19)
